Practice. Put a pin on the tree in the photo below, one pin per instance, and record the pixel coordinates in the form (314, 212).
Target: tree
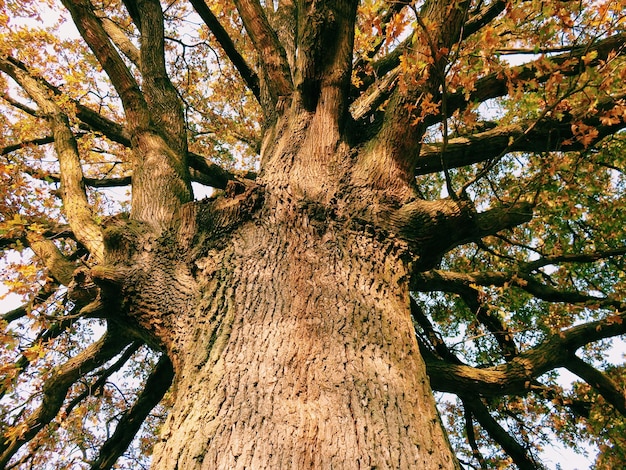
(408, 195)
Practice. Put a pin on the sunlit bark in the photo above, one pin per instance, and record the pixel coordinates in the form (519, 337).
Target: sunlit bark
(284, 306)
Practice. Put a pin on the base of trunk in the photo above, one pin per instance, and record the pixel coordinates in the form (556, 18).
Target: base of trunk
(302, 356)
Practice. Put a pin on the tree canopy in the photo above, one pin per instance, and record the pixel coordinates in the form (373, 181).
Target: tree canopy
(506, 115)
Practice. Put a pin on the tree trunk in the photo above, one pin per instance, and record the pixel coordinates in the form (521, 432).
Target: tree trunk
(302, 355)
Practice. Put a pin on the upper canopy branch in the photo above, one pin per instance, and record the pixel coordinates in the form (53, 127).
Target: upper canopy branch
(600, 381)
(448, 281)
(400, 135)
(121, 40)
(572, 258)
(165, 106)
(570, 63)
(76, 205)
(202, 171)
(227, 44)
(497, 84)
(48, 334)
(91, 29)
(277, 75)
(482, 16)
(552, 134)
(48, 289)
(383, 65)
(517, 375)
(387, 13)
(547, 134)
(27, 143)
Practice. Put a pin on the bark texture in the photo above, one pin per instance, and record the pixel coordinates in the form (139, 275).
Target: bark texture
(301, 355)
(282, 305)
(299, 350)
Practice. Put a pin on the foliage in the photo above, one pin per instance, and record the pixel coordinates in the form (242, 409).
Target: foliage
(525, 106)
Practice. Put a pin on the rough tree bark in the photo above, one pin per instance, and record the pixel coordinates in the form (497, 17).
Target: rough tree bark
(301, 354)
(282, 303)
(285, 311)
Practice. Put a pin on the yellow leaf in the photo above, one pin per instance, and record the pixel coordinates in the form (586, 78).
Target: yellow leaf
(589, 57)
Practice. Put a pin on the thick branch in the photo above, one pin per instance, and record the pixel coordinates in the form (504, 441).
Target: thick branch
(502, 334)
(121, 40)
(204, 172)
(220, 215)
(568, 64)
(25, 144)
(398, 140)
(166, 111)
(56, 177)
(59, 267)
(23, 362)
(517, 376)
(76, 205)
(380, 69)
(95, 387)
(483, 17)
(391, 61)
(499, 434)
(282, 15)
(56, 387)
(448, 374)
(470, 396)
(375, 96)
(603, 384)
(207, 173)
(277, 76)
(154, 389)
(92, 119)
(439, 226)
(432, 336)
(161, 182)
(543, 136)
(15, 103)
(448, 281)
(46, 291)
(245, 71)
(25, 235)
(471, 437)
(92, 31)
(497, 83)
(573, 258)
